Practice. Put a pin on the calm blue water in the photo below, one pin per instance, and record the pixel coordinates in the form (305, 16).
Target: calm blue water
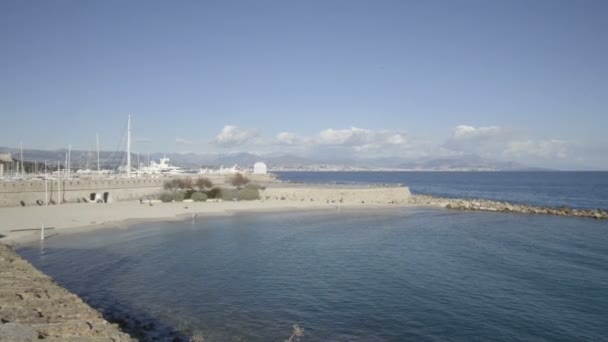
(390, 275)
(575, 189)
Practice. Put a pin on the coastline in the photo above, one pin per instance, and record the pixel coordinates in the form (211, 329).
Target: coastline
(80, 217)
(73, 218)
(22, 224)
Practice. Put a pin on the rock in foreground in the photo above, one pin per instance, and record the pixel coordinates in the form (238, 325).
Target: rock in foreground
(33, 306)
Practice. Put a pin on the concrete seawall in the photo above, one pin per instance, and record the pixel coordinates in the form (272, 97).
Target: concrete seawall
(12, 193)
(33, 306)
(329, 194)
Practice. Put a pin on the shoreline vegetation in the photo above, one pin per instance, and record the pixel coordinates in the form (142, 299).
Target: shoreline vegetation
(37, 306)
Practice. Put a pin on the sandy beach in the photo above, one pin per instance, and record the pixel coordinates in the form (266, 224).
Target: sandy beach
(22, 224)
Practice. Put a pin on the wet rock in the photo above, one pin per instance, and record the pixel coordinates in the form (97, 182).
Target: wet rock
(17, 332)
(487, 205)
(33, 306)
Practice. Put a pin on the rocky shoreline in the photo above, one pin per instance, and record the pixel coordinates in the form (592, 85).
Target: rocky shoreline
(497, 206)
(33, 307)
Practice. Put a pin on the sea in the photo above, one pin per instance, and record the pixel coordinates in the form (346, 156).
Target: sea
(407, 274)
(583, 190)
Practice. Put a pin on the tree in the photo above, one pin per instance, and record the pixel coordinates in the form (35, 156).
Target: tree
(203, 183)
(239, 180)
(172, 184)
(185, 183)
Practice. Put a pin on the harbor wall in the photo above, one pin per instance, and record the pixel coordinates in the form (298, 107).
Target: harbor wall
(13, 193)
(365, 195)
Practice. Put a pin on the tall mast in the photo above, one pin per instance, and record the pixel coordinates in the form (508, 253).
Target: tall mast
(69, 160)
(97, 135)
(22, 169)
(129, 147)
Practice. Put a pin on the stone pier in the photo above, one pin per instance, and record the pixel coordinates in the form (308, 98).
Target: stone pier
(33, 307)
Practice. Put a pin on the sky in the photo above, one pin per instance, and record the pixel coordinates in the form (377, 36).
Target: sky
(523, 81)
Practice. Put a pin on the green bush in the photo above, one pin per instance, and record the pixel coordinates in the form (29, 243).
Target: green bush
(188, 193)
(170, 196)
(214, 193)
(248, 194)
(254, 186)
(178, 196)
(228, 194)
(199, 197)
(166, 196)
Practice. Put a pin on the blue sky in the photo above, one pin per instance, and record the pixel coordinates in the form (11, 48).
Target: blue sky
(511, 80)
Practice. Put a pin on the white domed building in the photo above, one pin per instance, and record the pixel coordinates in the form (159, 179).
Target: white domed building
(260, 168)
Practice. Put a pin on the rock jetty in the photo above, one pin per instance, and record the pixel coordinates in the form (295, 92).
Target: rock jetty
(488, 205)
(33, 307)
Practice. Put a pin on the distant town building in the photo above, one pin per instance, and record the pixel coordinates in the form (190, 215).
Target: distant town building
(259, 168)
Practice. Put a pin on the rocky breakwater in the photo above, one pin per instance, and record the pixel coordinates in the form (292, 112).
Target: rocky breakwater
(488, 205)
(33, 307)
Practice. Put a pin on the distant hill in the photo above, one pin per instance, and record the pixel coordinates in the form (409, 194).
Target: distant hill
(111, 160)
(465, 163)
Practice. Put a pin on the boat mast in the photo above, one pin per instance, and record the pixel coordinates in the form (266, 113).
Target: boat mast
(69, 160)
(97, 136)
(22, 169)
(129, 147)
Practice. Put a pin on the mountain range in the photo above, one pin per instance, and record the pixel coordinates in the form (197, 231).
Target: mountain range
(277, 162)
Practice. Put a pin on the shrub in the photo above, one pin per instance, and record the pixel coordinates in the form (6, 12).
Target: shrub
(188, 193)
(166, 196)
(248, 194)
(239, 180)
(178, 196)
(178, 183)
(214, 193)
(228, 194)
(185, 183)
(199, 197)
(170, 196)
(203, 183)
(254, 186)
(171, 184)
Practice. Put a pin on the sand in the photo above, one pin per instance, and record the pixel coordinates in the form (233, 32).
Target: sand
(61, 219)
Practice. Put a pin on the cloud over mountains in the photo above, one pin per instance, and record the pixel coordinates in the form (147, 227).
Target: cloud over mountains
(492, 142)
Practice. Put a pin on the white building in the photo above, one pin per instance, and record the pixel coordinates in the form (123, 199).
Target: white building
(259, 168)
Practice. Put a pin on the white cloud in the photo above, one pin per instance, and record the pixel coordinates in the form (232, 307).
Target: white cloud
(288, 138)
(495, 141)
(395, 139)
(182, 141)
(360, 137)
(485, 141)
(463, 132)
(351, 136)
(344, 142)
(233, 135)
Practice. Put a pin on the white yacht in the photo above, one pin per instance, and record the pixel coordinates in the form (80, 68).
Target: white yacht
(162, 167)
